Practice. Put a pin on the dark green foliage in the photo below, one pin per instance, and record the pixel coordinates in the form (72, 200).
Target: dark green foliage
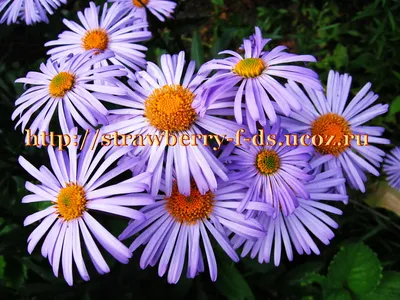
(355, 273)
(355, 36)
(355, 267)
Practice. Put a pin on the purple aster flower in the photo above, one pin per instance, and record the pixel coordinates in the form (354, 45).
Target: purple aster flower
(111, 29)
(391, 167)
(67, 86)
(74, 190)
(257, 43)
(29, 11)
(167, 99)
(335, 120)
(275, 170)
(255, 75)
(159, 8)
(177, 225)
(308, 221)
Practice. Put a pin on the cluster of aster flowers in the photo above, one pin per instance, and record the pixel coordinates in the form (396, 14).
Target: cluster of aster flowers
(265, 198)
(28, 11)
(35, 11)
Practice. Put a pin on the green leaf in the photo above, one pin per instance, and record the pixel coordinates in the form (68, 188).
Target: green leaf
(397, 74)
(388, 289)
(45, 273)
(302, 274)
(232, 284)
(158, 53)
(355, 267)
(393, 109)
(218, 2)
(338, 59)
(15, 273)
(222, 41)
(311, 278)
(340, 56)
(252, 266)
(340, 294)
(353, 33)
(2, 266)
(197, 53)
(392, 21)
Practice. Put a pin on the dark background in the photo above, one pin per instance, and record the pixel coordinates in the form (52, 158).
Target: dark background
(358, 37)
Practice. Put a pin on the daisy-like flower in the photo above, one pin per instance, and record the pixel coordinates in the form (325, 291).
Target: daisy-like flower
(308, 221)
(74, 189)
(159, 8)
(110, 29)
(391, 167)
(275, 170)
(167, 99)
(29, 11)
(177, 225)
(255, 75)
(67, 86)
(337, 122)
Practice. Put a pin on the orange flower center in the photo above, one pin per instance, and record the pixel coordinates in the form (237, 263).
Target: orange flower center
(138, 4)
(71, 202)
(95, 39)
(333, 129)
(267, 162)
(61, 84)
(170, 108)
(250, 67)
(189, 209)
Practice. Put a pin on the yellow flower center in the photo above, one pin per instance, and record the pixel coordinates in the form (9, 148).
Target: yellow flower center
(95, 39)
(138, 4)
(71, 202)
(250, 67)
(61, 84)
(267, 162)
(328, 126)
(189, 209)
(170, 108)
